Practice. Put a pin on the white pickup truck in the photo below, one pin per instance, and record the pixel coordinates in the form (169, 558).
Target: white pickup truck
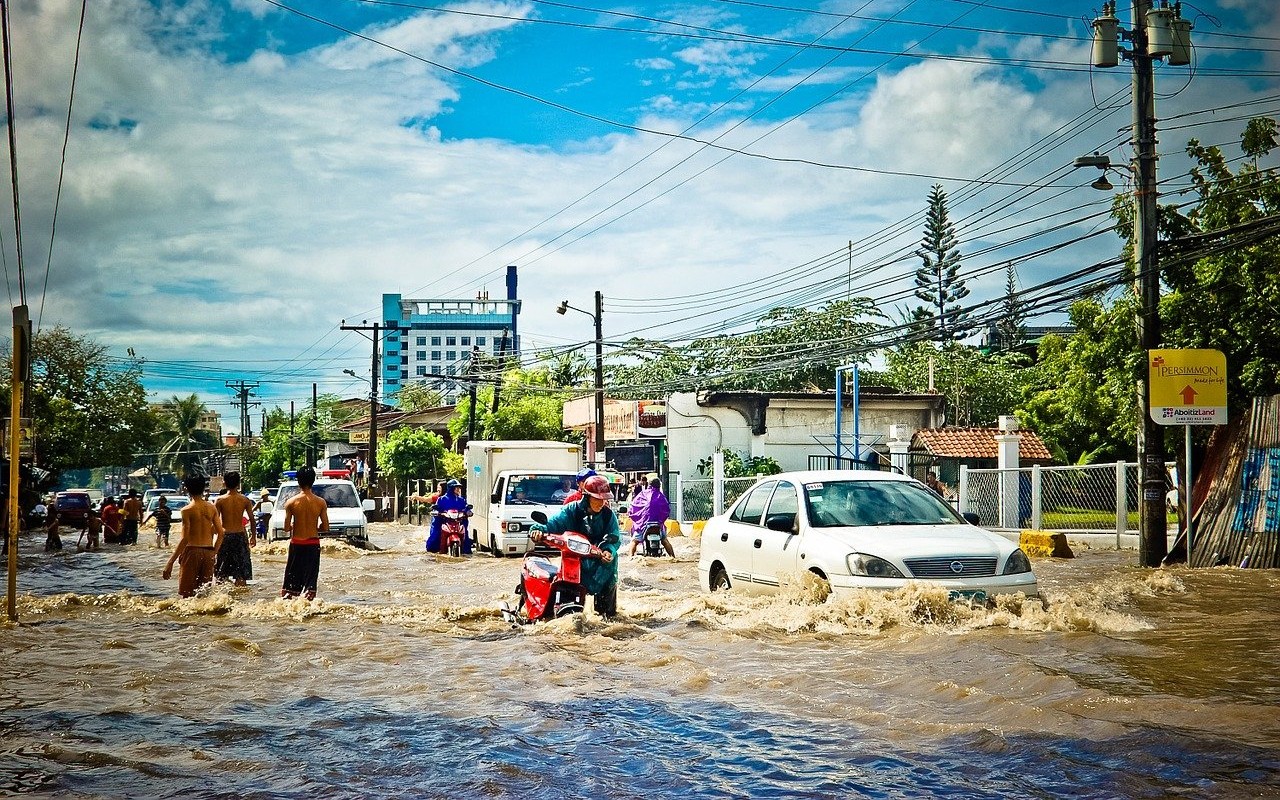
(508, 480)
(346, 510)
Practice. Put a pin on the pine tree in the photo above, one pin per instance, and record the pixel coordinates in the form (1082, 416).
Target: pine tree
(937, 282)
(1012, 325)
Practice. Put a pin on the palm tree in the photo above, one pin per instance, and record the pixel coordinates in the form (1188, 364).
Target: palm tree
(182, 453)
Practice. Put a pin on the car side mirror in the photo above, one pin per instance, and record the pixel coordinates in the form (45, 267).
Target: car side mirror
(368, 505)
(783, 523)
(971, 518)
(495, 498)
(539, 517)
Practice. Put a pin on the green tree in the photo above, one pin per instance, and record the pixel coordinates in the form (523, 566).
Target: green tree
(1081, 396)
(938, 281)
(417, 396)
(979, 387)
(278, 450)
(531, 407)
(737, 465)
(186, 444)
(87, 408)
(1012, 325)
(412, 453)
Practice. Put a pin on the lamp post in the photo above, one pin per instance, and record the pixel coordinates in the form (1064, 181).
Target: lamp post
(597, 317)
(1157, 33)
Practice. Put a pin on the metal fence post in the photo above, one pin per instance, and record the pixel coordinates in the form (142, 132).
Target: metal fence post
(1122, 501)
(1037, 510)
(679, 498)
(717, 483)
(963, 489)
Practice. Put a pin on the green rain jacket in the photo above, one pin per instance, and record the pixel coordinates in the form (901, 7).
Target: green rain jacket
(601, 530)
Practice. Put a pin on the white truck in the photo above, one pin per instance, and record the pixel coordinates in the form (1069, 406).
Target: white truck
(509, 480)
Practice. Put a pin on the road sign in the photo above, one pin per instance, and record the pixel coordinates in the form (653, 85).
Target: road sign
(1188, 387)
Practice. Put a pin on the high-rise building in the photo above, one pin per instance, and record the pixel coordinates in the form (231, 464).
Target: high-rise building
(441, 335)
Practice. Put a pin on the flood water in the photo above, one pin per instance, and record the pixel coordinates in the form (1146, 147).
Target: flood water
(402, 680)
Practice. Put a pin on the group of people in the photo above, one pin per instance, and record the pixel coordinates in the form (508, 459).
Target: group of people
(217, 537)
(114, 523)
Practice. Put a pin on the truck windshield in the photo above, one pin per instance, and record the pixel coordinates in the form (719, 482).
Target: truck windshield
(336, 495)
(539, 489)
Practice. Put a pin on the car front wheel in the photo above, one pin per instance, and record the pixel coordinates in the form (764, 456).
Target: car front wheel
(719, 579)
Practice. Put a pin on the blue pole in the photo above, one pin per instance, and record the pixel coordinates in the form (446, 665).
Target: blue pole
(839, 441)
(857, 441)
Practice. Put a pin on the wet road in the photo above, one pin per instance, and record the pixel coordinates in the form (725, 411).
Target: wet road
(403, 681)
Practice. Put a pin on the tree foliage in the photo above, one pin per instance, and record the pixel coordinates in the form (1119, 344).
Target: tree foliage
(1012, 326)
(87, 408)
(186, 445)
(791, 350)
(417, 396)
(979, 387)
(530, 406)
(737, 465)
(938, 281)
(412, 453)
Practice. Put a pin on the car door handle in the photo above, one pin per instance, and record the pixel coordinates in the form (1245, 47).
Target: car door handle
(757, 543)
(724, 537)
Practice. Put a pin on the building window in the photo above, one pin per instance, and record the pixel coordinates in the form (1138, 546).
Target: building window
(422, 341)
(435, 341)
(453, 370)
(435, 355)
(404, 374)
(404, 359)
(422, 355)
(466, 341)
(452, 355)
(435, 369)
(421, 371)
(451, 341)
(480, 341)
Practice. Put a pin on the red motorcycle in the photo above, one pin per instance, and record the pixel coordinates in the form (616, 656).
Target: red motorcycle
(452, 531)
(549, 590)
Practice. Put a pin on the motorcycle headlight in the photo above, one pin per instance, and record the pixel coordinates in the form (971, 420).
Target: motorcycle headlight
(1018, 562)
(871, 567)
(579, 546)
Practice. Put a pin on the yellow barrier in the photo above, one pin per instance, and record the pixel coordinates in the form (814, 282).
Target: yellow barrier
(1044, 544)
(673, 528)
(696, 528)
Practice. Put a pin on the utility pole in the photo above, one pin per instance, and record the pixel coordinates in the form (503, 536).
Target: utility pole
(19, 367)
(599, 315)
(378, 330)
(472, 371)
(243, 391)
(290, 465)
(313, 447)
(502, 365)
(1157, 33)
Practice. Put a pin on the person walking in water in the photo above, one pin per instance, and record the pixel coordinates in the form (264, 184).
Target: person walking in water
(305, 516)
(201, 534)
(132, 517)
(234, 561)
(163, 515)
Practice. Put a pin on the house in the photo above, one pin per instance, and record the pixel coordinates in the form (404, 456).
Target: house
(946, 449)
(796, 429)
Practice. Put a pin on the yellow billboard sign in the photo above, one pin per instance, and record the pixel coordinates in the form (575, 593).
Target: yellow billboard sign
(1188, 387)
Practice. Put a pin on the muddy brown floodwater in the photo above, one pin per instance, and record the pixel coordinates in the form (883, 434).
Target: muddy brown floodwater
(402, 680)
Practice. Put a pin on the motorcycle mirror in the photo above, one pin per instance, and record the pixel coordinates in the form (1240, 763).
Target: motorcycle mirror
(539, 517)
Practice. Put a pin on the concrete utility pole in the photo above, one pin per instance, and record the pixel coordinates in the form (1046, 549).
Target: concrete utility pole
(17, 386)
(472, 371)
(378, 330)
(243, 391)
(598, 318)
(1157, 33)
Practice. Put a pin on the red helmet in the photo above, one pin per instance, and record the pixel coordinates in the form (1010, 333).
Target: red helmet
(596, 486)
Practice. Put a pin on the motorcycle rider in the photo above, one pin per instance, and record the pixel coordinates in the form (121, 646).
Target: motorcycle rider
(576, 495)
(451, 500)
(592, 517)
(650, 507)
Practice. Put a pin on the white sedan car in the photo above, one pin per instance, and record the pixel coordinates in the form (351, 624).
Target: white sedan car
(855, 530)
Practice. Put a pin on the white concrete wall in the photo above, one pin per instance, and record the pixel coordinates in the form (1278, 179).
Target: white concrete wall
(695, 432)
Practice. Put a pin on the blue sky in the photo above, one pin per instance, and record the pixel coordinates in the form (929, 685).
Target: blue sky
(240, 177)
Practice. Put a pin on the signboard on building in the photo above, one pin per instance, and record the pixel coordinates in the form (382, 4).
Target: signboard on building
(1188, 387)
(651, 419)
(631, 458)
(361, 435)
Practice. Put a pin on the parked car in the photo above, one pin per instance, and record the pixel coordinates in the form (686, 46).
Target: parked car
(150, 493)
(856, 530)
(175, 501)
(73, 508)
(346, 510)
(95, 497)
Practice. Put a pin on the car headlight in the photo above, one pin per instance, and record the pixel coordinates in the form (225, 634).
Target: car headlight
(514, 527)
(871, 567)
(1018, 562)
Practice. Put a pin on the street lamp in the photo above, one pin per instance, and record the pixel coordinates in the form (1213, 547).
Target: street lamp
(599, 426)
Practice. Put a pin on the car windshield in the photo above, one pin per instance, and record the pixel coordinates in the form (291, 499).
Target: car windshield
(834, 504)
(73, 501)
(173, 501)
(539, 488)
(336, 495)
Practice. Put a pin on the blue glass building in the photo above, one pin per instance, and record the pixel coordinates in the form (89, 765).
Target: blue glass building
(441, 336)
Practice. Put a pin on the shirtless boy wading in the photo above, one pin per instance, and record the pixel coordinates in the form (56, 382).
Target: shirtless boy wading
(233, 560)
(305, 515)
(201, 532)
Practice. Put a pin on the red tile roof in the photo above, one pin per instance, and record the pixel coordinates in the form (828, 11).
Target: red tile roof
(976, 443)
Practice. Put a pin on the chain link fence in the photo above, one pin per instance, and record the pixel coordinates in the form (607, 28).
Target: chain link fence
(1094, 498)
(697, 496)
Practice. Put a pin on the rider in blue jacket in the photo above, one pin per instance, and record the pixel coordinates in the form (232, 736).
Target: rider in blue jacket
(592, 517)
(451, 500)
